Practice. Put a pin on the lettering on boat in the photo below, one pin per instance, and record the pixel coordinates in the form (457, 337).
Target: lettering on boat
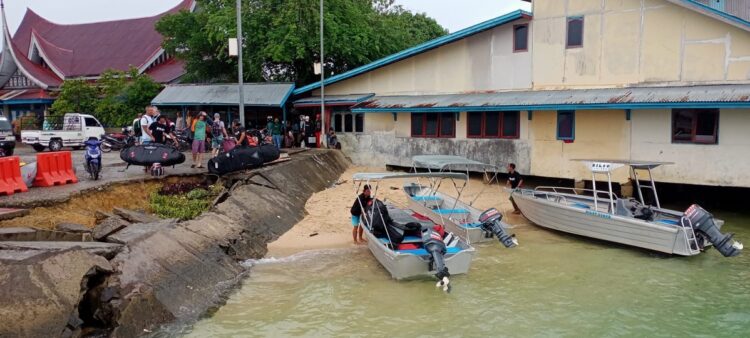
(598, 214)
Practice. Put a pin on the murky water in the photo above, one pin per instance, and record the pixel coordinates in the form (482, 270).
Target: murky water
(552, 285)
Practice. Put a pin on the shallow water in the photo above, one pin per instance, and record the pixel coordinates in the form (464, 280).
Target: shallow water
(551, 285)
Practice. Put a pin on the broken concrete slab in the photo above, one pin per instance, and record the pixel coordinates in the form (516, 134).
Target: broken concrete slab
(18, 255)
(73, 228)
(40, 294)
(10, 213)
(109, 226)
(17, 234)
(134, 232)
(134, 216)
(107, 250)
(102, 215)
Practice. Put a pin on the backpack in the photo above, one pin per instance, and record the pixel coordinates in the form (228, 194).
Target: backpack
(216, 129)
(137, 130)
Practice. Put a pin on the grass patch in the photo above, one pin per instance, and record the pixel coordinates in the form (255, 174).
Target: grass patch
(183, 201)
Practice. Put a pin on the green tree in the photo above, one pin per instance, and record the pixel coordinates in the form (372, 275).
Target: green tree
(281, 37)
(76, 96)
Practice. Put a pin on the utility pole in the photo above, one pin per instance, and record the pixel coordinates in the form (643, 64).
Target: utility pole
(323, 131)
(240, 85)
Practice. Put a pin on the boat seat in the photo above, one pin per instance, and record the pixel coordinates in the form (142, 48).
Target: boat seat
(423, 252)
(450, 211)
(471, 225)
(580, 205)
(668, 221)
(427, 198)
(407, 239)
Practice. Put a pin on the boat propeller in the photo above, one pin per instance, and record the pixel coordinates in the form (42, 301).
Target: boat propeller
(491, 223)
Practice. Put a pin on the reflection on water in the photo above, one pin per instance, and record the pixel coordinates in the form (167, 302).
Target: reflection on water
(551, 285)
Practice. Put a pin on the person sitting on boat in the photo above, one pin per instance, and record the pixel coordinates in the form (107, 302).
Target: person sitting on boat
(359, 203)
(515, 180)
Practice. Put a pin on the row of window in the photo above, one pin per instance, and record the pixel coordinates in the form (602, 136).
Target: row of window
(574, 35)
(688, 125)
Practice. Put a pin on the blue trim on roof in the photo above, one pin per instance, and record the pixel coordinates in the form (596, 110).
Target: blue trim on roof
(346, 101)
(26, 101)
(553, 107)
(286, 97)
(406, 53)
(724, 15)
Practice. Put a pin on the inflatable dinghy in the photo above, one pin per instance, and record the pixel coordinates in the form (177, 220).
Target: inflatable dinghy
(243, 158)
(147, 155)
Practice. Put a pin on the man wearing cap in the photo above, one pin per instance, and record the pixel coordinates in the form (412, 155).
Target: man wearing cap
(359, 203)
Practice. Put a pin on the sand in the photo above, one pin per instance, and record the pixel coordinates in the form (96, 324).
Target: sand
(328, 221)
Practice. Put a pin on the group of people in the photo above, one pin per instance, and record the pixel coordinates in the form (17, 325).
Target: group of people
(515, 181)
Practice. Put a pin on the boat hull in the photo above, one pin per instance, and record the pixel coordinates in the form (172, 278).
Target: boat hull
(409, 266)
(604, 226)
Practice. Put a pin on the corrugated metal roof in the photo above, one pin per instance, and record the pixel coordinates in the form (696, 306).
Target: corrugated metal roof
(256, 94)
(732, 18)
(334, 99)
(623, 98)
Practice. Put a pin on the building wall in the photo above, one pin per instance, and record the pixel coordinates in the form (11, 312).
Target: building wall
(484, 61)
(599, 134)
(630, 42)
(390, 143)
(723, 164)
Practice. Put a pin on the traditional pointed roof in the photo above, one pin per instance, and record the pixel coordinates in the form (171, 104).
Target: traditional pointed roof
(85, 50)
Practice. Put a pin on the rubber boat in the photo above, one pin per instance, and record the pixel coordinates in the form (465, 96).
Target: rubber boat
(602, 215)
(458, 216)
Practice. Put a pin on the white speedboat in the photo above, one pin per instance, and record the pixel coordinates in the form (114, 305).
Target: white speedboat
(602, 215)
(405, 245)
(457, 215)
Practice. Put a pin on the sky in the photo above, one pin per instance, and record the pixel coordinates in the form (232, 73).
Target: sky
(451, 14)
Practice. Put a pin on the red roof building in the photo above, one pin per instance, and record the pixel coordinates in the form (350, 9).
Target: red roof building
(42, 54)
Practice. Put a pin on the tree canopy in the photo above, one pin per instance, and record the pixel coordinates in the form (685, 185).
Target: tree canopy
(282, 41)
(114, 99)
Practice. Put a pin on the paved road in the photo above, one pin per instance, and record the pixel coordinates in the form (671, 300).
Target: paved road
(113, 171)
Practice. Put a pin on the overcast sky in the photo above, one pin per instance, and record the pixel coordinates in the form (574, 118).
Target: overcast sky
(452, 14)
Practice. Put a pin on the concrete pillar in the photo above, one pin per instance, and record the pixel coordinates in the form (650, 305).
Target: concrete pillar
(626, 189)
(579, 183)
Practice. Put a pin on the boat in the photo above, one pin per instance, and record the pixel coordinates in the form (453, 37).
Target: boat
(419, 251)
(458, 216)
(601, 214)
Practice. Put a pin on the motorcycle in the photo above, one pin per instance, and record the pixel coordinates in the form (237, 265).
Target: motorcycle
(118, 141)
(93, 157)
(183, 140)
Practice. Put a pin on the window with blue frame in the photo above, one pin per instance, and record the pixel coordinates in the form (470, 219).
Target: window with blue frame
(566, 125)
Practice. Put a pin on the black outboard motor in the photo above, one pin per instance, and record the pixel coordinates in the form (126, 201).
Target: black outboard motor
(491, 223)
(433, 243)
(703, 222)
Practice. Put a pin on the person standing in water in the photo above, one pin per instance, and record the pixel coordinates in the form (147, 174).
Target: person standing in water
(357, 209)
(515, 180)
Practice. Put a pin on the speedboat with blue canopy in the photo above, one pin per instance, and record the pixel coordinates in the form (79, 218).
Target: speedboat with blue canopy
(407, 245)
(603, 215)
(457, 215)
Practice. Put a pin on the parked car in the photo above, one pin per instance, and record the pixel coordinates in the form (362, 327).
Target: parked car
(76, 129)
(7, 140)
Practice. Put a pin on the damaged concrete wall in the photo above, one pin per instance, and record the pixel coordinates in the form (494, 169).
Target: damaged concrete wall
(165, 271)
(628, 42)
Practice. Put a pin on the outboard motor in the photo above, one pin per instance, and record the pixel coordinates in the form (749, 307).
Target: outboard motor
(433, 243)
(491, 223)
(703, 222)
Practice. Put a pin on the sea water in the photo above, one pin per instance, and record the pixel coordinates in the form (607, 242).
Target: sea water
(553, 284)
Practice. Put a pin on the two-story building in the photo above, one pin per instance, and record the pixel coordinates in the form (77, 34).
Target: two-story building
(662, 80)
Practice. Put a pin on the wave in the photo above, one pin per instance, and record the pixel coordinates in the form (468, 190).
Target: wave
(300, 256)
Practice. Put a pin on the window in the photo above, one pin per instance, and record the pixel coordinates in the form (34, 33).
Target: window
(695, 126)
(566, 125)
(338, 122)
(433, 124)
(521, 38)
(91, 122)
(493, 124)
(575, 32)
(346, 122)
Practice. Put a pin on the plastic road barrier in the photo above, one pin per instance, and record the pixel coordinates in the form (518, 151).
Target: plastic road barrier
(10, 176)
(55, 168)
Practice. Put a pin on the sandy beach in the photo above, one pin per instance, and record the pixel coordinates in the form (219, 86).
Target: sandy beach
(327, 224)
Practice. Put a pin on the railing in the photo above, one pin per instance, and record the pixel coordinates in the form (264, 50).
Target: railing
(557, 194)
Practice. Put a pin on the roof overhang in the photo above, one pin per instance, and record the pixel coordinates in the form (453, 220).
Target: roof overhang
(255, 95)
(332, 100)
(714, 13)
(709, 96)
(429, 45)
